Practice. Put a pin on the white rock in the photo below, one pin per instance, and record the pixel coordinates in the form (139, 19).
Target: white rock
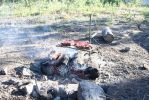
(70, 88)
(3, 71)
(90, 91)
(26, 72)
(68, 91)
(27, 89)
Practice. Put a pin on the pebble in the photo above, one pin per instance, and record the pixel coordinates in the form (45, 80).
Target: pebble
(26, 72)
(26, 89)
(3, 71)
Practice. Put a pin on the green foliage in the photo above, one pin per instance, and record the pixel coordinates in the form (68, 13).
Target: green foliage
(36, 7)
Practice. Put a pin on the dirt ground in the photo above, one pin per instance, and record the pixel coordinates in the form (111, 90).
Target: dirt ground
(123, 76)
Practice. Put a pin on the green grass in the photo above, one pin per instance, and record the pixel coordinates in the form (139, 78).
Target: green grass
(84, 7)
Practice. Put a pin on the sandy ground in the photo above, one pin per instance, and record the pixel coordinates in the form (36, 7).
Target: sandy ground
(121, 74)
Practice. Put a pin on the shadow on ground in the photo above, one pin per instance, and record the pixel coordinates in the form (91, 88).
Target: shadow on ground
(136, 89)
(142, 39)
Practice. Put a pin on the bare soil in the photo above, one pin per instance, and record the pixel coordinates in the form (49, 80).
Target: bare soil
(123, 76)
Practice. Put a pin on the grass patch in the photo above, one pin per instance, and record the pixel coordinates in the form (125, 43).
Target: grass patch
(70, 7)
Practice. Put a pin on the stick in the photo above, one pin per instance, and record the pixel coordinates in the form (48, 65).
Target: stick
(90, 27)
(90, 16)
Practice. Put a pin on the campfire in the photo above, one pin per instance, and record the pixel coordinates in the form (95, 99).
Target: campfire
(64, 65)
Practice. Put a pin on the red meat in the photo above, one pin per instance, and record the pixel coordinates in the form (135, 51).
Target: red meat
(78, 44)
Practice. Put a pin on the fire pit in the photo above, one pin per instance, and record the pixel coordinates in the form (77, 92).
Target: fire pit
(62, 64)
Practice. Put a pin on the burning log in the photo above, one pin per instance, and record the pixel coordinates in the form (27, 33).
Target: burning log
(107, 35)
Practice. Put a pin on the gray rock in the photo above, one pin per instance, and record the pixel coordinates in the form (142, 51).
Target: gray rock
(90, 91)
(126, 49)
(27, 89)
(44, 95)
(12, 81)
(3, 71)
(114, 43)
(47, 90)
(68, 91)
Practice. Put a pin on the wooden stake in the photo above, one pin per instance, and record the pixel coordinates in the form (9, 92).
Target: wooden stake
(90, 16)
(90, 20)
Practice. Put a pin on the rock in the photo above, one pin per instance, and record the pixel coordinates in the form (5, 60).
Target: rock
(126, 49)
(47, 90)
(26, 72)
(26, 89)
(43, 93)
(90, 91)
(3, 71)
(146, 66)
(68, 91)
(114, 43)
(44, 78)
(11, 82)
(141, 68)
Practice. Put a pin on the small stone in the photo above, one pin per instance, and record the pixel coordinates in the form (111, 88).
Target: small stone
(11, 82)
(68, 91)
(26, 89)
(3, 71)
(126, 49)
(44, 95)
(70, 88)
(90, 91)
(115, 43)
(45, 78)
(146, 66)
(26, 72)
(142, 68)
(47, 90)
